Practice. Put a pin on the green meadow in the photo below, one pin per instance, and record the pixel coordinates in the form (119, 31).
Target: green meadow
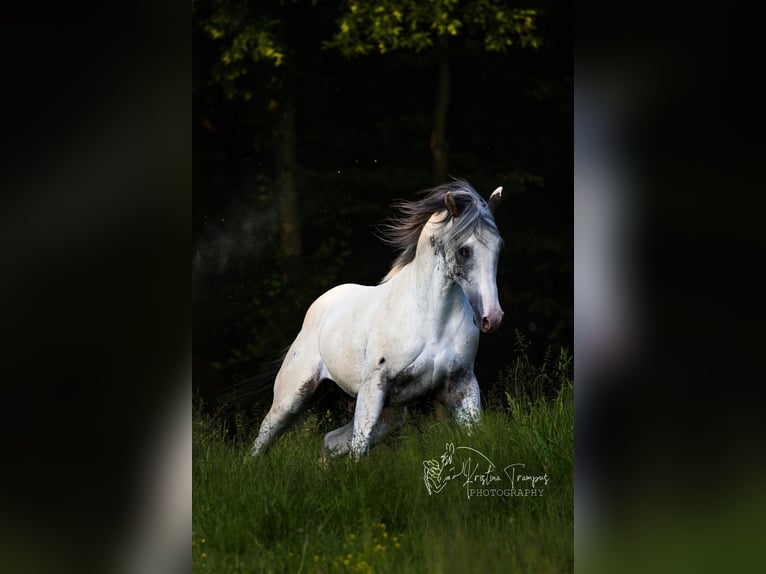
(504, 502)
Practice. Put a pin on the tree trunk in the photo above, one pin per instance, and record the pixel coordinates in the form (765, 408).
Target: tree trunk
(286, 166)
(439, 146)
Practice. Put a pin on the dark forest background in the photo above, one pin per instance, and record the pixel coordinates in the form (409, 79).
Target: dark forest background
(311, 117)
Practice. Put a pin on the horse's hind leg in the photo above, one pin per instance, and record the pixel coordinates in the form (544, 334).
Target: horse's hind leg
(338, 442)
(294, 385)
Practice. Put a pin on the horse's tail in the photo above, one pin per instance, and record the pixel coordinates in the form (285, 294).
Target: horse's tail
(252, 392)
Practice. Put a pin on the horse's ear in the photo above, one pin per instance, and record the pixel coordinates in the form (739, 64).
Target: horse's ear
(496, 199)
(451, 204)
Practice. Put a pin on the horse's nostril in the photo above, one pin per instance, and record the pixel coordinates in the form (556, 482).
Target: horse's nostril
(485, 324)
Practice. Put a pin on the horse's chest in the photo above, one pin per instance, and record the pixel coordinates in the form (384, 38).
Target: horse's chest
(409, 383)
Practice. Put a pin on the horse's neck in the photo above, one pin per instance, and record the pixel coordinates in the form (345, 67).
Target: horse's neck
(425, 280)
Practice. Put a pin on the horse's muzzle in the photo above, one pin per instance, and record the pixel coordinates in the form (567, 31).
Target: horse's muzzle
(491, 321)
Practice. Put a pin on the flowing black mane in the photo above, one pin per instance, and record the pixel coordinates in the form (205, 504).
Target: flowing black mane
(402, 232)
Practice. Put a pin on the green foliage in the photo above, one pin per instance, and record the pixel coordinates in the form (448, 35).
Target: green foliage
(292, 510)
(249, 33)
(387, 25)
(541, 400)
(526, 383)
(244, 36)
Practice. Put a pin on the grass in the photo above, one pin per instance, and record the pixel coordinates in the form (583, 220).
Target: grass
(289, 512)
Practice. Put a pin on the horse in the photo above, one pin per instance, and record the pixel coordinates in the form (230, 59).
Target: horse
(415, 333)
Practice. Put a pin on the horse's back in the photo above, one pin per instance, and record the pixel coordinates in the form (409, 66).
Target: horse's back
(336, 302)
(339, 308)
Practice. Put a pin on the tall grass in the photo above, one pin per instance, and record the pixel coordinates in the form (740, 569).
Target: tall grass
(292, 511)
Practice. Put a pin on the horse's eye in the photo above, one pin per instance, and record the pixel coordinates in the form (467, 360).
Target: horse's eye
(464, 252)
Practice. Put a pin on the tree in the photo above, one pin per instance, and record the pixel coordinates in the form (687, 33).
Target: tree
(248, 35)
(434, 27)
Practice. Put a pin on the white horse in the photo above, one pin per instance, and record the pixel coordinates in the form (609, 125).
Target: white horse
(417, 332)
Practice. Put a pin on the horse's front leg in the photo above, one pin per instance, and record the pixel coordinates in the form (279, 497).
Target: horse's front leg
(369, 405)
(460, 394)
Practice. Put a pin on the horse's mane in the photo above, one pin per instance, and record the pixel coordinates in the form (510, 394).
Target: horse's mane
(402, 232)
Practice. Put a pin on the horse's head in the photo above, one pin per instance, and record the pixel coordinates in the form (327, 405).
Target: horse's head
(471, 247)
